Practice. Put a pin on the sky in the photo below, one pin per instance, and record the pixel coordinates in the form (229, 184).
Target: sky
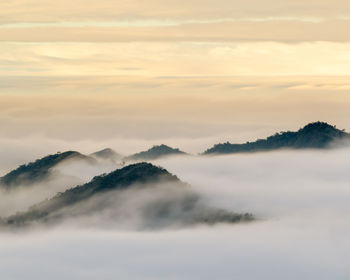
(186, 73)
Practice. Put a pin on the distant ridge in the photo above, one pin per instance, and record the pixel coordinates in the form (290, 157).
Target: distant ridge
(154, 153)
(107, 153)
(317, 135)
(39, 170)
(140, 176)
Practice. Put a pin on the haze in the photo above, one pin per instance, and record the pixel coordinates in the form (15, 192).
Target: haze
(87, 75)
(300, 199)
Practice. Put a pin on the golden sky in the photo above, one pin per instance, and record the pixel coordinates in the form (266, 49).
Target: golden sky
(166, 70)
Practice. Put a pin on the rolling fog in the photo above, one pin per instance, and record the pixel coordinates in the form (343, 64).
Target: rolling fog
(65, 175)
(301, 200)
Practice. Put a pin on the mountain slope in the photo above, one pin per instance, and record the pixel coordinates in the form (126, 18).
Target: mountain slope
(107, 154)
(38, 170)
(154, 153)
(317, 135)
(141, 179)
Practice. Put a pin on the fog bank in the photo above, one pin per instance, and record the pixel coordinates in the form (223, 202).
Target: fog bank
(301, 198)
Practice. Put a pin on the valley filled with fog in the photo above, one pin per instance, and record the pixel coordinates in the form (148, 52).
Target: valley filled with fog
(300, 200)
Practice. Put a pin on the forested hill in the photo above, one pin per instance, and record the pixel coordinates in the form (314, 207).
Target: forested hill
(120, 179)
(154, 153)
(180, 205)
(38, 170)
(317, 135)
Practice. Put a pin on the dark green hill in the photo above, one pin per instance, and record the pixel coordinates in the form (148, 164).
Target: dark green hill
(138, 176)
(317, 135)
(154, 153)
(38, 170)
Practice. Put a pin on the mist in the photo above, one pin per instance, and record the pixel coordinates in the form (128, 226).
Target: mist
(271, 185)
(142, 207)
(65, 175)
(300, 200)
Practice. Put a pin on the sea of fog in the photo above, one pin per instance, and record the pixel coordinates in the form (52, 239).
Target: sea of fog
(300, 199)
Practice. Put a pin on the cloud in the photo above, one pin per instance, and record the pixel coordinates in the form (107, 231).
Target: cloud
(202, 21)
(67, 65)
(65, 175)
(107, 10)
(258, 252)
(276, 30)
(301, 196)
(278, 185)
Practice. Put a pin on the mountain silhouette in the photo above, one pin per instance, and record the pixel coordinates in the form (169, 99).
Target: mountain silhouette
(107, 154)
(154, 153)
(184, 208)
(39, 170)
(317, 135)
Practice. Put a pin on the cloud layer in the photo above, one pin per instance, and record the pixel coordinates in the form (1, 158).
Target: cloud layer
(288, 31)
(301, 198)
(81, 10)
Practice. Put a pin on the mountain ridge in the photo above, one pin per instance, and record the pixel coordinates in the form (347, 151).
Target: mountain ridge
(106, 153)
(316, 135)
(39, 169)
(139, 176)
(157, 151)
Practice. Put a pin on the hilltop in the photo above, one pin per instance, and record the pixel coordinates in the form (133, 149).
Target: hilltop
(39, 170)
(154, 153)
(317, 135)
(179, 206)
(107, 154)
